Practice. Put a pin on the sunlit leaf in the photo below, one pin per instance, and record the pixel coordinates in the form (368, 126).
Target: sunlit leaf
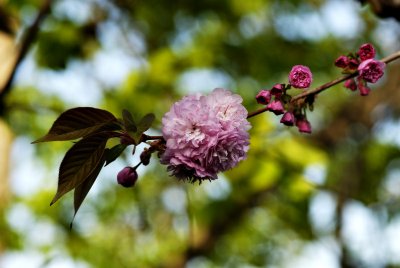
(81, 162)
(80, 122)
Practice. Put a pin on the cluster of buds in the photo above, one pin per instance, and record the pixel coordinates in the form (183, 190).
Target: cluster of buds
(279, 102)
(369, 69)
(128, 176)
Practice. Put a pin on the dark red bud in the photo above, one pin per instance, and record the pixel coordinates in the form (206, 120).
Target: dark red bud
(127, 177)
(145, 157)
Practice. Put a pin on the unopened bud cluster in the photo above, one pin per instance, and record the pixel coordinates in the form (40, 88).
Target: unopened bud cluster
(369, 69)
(128, 176)
(278, 101)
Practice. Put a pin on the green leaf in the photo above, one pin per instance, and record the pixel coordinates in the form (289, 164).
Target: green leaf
(129, 123)
(114, 152)
(81, 162)
(82, 190)
(80, 122)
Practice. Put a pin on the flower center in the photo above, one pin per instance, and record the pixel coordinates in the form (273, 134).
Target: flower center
(194, 134)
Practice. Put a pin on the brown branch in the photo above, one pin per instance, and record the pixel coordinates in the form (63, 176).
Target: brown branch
(325, 86)
(27, 41)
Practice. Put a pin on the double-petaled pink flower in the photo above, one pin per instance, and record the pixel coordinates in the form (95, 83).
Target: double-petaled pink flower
(300, 76)
(205, 135)
(371, 70)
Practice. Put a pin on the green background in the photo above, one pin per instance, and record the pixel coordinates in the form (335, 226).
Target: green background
(329, 199)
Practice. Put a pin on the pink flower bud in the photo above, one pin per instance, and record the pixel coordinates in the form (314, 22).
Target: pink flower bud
(300, 76)
(277, 90)
(342, 62)
(263, 97)
(366, 52)
(303, 125)
(127, 177)
(353, 64)
(288, 119)
(276, 107)
(371, 70)
(362, 87)
(350, 84)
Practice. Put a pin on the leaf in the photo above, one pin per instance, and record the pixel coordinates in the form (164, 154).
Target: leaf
(80, 122)
(83, 189)
(146, 122)
(80, 163)
(129, 123)
(114, 152)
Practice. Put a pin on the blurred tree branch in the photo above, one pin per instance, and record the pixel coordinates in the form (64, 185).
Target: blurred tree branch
(26, 43)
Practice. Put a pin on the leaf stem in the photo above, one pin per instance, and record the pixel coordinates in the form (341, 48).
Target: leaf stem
(325, 86)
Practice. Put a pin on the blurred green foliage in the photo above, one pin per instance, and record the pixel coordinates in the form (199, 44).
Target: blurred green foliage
(256, 215)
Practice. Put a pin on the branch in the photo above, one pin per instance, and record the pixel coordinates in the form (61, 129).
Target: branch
(325, 86)
(27, 40)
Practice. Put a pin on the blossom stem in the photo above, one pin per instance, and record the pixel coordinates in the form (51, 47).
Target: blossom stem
(147, 137)
(325, 86)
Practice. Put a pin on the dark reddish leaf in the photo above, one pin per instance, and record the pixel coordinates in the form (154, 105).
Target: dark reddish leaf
(129, 123)
(146, 122)
(80, 122)
(81, 162)
(114, 152)
(82, 190)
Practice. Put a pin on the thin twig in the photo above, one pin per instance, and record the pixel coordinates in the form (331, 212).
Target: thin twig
(148, 137)
(325, 86)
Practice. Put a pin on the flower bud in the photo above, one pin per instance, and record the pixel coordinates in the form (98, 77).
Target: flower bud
(263, 97)
(362, 87)
(300, 76)
(276, 107)
(127, 177)
(350, 84)
(342, 62)
(353, 64)
(303, 125)
(277, 90)
(288, 119)
(145, 156)
(371, 70)
(366, 52)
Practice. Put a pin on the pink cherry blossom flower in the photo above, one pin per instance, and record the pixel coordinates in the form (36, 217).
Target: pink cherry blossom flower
(371, 70)
(342, 62)
(366, 52)
(263, 97)
(205, 135)
(300, 76)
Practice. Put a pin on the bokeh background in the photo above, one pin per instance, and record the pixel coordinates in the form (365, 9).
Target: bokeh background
(329, 199)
